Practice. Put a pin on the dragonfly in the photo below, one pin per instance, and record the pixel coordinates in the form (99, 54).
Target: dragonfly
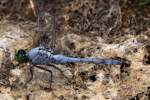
(42, 55)
(46, 56)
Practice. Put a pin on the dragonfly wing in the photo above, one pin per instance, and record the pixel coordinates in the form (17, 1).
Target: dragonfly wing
(46, 26)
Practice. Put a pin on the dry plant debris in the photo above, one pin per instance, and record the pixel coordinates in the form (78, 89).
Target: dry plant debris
(98, 28)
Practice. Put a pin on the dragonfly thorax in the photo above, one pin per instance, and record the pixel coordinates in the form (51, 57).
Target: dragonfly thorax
(40, 55)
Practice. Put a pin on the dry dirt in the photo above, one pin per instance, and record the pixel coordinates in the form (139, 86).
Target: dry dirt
(117, 29)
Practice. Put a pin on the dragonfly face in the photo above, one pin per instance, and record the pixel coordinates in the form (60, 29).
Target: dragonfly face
(21, 56)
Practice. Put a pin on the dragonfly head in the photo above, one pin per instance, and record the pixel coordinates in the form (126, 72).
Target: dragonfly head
(21, 56)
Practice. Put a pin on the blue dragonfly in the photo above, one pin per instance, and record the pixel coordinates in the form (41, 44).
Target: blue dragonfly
(41, 55)
(45, 56)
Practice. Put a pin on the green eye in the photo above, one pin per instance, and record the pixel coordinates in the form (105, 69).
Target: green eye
(21, 56)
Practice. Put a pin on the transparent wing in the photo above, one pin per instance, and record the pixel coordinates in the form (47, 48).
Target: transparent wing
(46, 26)
(51, 22)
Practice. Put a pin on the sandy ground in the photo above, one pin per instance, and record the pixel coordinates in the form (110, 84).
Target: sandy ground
(114, 30)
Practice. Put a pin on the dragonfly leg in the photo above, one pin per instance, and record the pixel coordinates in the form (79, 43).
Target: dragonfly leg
(30, 77)
(20, 84)
(51, 74)
(52, 65)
